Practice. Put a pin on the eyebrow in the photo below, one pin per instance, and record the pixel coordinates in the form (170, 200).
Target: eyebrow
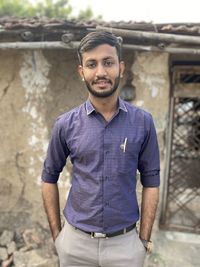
(106, 58)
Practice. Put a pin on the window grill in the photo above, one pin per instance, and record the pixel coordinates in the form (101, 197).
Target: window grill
(181, 207)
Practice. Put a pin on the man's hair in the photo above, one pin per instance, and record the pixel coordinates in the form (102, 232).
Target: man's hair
(94, 39)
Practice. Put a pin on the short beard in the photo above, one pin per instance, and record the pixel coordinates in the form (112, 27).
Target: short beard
(104, 94)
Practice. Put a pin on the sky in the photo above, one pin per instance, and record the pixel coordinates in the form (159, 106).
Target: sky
(157, 11)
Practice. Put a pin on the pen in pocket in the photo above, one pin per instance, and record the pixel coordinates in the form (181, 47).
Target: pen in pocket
(123, 145)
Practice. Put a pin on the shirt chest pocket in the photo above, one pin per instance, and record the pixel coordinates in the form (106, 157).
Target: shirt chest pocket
(127, 159)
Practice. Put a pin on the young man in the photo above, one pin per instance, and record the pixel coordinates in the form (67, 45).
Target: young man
(107, 140)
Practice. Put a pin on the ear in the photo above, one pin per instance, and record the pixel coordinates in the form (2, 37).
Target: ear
(121, 68)
(80, 71)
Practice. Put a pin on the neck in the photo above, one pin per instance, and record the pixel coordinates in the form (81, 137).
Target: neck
(106, 106)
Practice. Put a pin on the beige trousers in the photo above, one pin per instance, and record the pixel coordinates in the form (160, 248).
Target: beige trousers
(76, 248)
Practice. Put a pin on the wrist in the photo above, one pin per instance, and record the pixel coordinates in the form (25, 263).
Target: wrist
(147, 244)
(55, 234)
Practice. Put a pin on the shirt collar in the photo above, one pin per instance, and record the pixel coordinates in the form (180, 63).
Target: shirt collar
(122, 105)
(89, 107)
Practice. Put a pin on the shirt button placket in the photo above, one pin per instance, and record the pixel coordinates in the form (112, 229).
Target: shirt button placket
(106, 178)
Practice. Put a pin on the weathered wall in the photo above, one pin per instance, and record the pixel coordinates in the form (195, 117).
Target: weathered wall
(151, 79)
(37, 86)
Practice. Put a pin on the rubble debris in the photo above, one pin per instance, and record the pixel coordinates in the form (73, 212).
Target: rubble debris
(29, 248)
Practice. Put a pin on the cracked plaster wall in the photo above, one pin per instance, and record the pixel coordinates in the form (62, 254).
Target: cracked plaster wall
(151, 79)
(152, 82)
(37, 86)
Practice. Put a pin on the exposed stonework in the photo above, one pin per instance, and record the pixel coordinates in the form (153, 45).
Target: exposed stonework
(6, 238)
(30, 248)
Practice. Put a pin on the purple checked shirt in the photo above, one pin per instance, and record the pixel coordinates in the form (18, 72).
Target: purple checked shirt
(105, 158)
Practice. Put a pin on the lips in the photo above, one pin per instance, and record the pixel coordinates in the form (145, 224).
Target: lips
(102, 82)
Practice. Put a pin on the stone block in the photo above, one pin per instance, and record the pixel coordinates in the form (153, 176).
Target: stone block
(3, 254)
(6, 238)
(11, 247)
(34, 258)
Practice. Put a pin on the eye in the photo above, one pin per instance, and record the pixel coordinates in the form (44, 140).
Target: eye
(108, 63)
(91, 65)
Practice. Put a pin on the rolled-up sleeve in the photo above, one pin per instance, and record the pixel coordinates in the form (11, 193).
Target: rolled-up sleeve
(57, 154)
(149, 159)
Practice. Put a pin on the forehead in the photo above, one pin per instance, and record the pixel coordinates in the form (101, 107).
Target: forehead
(100, 52)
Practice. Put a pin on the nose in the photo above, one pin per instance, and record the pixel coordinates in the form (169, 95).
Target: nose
(100, 71)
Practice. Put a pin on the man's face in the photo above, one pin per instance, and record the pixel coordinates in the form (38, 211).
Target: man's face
(101, 70)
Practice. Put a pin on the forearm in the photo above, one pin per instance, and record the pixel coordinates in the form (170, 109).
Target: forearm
(50, 196)
(150, 197)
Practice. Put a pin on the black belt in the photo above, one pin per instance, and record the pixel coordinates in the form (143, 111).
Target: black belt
(101, 235)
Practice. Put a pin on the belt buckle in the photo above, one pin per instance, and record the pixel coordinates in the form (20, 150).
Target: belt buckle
(98, 235)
